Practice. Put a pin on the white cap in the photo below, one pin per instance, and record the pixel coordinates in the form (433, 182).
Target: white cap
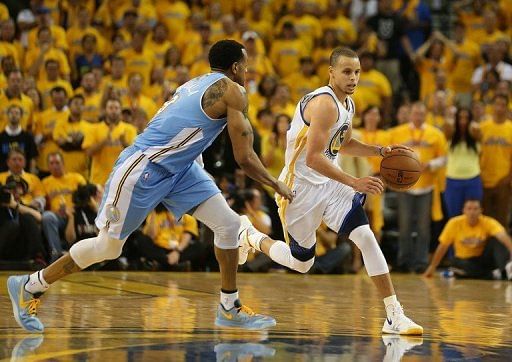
(26, 16)
(249, 35)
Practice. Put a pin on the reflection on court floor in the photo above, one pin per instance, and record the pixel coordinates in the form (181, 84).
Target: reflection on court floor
(111, 316)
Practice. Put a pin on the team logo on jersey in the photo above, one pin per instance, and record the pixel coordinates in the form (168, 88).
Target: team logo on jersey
(336, 141)
(113, 213)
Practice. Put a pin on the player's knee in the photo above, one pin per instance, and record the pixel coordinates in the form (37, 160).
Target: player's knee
(226, 233)
(109, 248)
(302, 266)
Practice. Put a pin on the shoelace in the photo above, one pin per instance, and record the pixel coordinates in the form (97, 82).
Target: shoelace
(32, 306)
(246, 309)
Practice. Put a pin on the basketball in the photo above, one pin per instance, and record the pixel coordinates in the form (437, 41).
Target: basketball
(400, 169)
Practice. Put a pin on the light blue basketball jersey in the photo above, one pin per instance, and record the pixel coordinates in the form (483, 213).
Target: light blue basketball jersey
(180, 131)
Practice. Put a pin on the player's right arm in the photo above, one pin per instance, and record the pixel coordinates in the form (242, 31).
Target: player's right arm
(241, 135)
(322, 113)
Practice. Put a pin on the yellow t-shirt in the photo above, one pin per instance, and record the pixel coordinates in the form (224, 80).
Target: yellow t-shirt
(495, 159)
(300, 85)
(436, 120)
(52, 53)
(158, 51)
(45, 126)
(285, 55)
(58, 36)
(92, 106)
(321, 57)
(24, 102)
(199, 67)
(75, 160)
(169, 229)
(428, 143)
(344, 27)
(35, 187)
(469, 241)
(74, 37)
(4, 12)
(475, 26)
(460, 70)
(427, 69)
(142, 101)
(59, 190)
(141, 63)
(7, 49)
(45, 86)
(463, 162)
(146, 11)
(174, 15)
(372, 87)
(103, 160)
(307, 27)
(121, 83)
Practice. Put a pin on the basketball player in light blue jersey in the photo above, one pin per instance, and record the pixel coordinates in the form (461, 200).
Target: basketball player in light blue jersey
(161, 167)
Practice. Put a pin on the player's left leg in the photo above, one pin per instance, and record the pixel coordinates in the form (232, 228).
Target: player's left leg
(196, 193)
(354, 224)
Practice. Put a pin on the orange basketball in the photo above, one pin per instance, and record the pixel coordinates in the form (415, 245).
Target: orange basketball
(400, 169)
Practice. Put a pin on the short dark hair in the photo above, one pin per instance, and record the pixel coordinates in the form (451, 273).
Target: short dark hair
(59, 89)
(76, 96)
(341, 52)
(51, 60)
(224, 53)
(502, 96)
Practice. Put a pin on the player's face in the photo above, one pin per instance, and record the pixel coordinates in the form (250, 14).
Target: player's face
(345, 74)
(239, 69)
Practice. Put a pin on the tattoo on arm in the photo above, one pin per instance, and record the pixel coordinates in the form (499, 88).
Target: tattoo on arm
(214, 93)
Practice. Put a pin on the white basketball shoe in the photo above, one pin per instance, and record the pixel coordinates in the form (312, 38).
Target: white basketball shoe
(398, 323)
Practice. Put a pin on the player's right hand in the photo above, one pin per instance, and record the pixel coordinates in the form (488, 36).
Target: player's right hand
(284, 191)
(369, 185)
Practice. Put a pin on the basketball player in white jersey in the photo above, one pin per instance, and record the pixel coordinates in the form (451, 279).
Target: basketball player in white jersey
(320, 129)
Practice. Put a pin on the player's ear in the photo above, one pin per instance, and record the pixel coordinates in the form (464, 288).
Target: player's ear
(234, 68)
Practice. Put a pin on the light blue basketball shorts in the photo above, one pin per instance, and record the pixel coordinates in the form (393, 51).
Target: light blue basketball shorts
(136, 186)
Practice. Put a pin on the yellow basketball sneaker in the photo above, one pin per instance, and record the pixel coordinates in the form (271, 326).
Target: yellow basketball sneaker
(398, 323)
(24, 304)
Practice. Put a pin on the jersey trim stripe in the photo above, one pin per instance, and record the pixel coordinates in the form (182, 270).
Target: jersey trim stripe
(123, 179)
(300, 144)
(181, 144)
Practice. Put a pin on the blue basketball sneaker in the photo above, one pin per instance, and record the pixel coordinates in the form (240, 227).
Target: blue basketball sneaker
(24, 304)
(241, 316)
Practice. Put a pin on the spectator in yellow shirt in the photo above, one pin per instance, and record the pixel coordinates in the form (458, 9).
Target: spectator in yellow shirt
(415, 205)
(429, 58)
(322, 53)
(281, 101)
(287, 50)
(59, 187)
(257, 60)
(52, 80)
(36, 57)
(12, 96)
(135, 99)
(440, 88)
(104, 141)
(303, 82)
(139, 59)
(495, 136)
(159, 43)
(373, 88)
(29, 190)
(308, 27)
(483, 248)
(92, 96)
(44, 128)
(69, 135)
(117, 77)
(174, 13)
(229, 30)
(83, 27)
(44, 20)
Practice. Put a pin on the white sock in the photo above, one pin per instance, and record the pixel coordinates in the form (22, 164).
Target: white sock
(36, 283)
(390, 301)
(228, 299)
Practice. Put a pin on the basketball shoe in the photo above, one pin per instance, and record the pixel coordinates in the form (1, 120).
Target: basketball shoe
(245, 247)
(242, 351)
(241, 316)
(397, 346)
(398, 323)
(26, 347)
(24, 304)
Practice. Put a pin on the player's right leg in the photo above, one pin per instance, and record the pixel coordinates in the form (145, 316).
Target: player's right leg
(224, 222)
(116, 220)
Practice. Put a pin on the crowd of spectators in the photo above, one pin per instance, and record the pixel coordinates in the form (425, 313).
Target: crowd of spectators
(80, 79)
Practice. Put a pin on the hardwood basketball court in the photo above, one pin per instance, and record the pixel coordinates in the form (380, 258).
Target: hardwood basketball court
(134, 316)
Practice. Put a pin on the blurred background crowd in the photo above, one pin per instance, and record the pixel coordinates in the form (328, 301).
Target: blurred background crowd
(80, 79)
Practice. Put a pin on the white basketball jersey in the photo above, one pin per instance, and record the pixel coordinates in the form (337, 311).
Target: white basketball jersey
(295, 158)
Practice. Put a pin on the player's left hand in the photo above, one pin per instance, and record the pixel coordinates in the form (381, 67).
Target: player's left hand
(284, 191)
(389, 149)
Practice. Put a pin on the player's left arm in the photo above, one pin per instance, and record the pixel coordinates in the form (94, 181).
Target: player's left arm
(354, 147)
